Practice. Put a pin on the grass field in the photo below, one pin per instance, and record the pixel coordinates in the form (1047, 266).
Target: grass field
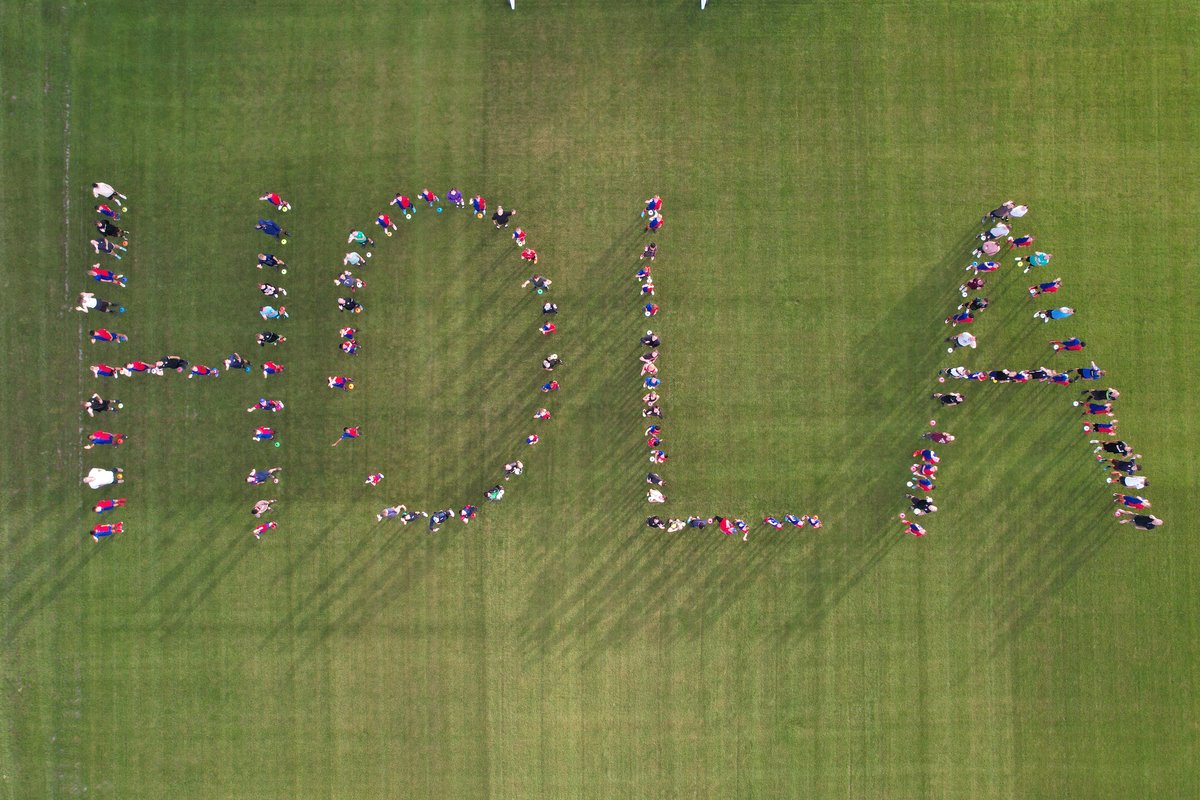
(823, 167)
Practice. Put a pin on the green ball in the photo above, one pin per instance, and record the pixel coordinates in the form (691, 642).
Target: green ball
(277, 444)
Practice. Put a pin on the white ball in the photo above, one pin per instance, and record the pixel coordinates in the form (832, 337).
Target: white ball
(368, 255)
(283, 272)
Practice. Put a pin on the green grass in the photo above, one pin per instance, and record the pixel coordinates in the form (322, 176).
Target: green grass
(823, 167)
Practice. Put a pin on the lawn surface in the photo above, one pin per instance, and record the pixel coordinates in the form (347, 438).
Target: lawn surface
(823, 168)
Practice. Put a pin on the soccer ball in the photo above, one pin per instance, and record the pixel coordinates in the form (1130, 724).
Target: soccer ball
(941, 379)
(368, 255)
(439, 209)
(406, 216)
(277, 444)
(283, 272)
(283, 241)
(247, 368)
(124, 208)
(349, 385)
(933, 423)
(387, 233)
(479, 215)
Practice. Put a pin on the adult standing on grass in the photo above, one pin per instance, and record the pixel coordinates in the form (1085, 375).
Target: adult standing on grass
(964, 339)
(106, 247)
(106, 228)
(359, 239)
(107, 192)
(1143, 522)
(271, 228)
(262, 507)
(501, 217)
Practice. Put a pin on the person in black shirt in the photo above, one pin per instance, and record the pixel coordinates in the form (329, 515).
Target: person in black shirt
(98, 405)
(1143, 522)
(501, 217)
(651, 339)
(1117, 448)
(106, 228)
(655, 522)
(921, 505)
(654, 479)
(173, 362)
(269, 337)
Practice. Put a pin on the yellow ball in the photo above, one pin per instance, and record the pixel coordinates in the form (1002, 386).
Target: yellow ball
(479, 215)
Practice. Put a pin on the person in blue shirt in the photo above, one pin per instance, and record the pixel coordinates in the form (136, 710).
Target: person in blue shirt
(438, 517)
(271, 228)
(1092, 373)
(1054, 313)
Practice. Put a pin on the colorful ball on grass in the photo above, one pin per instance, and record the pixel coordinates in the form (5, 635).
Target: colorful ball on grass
(406, 216)
(478, 215)
(283, 241)
(941, 379)
(283, 272)
(277, 444)
(124, 208)
(349, 385)
(121, 310)
(933, 423)
(247, 368)
(368, 255)
(541, 291)
(439, 209)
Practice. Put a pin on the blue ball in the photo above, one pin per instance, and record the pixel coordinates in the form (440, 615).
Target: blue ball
(247, 368)
(439, 209)
(121, 310)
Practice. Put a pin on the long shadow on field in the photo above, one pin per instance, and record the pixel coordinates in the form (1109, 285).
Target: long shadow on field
(841, 560)
(39, 595)
(678, 587)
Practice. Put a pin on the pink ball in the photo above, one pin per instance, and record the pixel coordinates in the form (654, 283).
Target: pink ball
(933, 423)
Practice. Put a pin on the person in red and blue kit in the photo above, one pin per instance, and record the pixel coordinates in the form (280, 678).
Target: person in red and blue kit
(347, 433)
(100, 531)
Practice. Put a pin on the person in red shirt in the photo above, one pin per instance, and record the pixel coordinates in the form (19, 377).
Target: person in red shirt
(725, 525)
(274, 199)
(203, 371)
(271, 368)
(548, 329)
(104, 438)
(385, 222)
(105, 335)
(404, 204)
(259, 530)
(109, 505)
(429, 197)
(347, 433)
(529, 254)
(911, 527)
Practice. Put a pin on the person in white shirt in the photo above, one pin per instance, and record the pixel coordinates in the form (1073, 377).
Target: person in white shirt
(108, 193)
